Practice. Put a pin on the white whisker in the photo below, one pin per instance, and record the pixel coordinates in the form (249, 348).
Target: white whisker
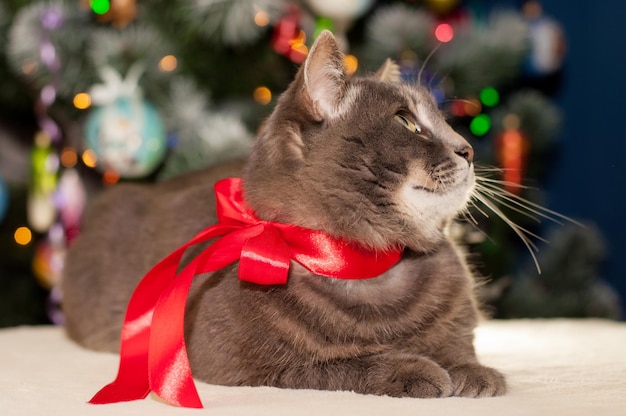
(503, 183)
(486, 215)
(521, 232)
(524, 203)
(430, 55)
(491, 193)
(467, 214)
(513, 204)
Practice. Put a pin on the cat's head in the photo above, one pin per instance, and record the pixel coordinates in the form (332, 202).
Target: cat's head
(369, 159)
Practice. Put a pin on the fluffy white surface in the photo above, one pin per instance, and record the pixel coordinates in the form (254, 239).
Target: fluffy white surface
(554, 367)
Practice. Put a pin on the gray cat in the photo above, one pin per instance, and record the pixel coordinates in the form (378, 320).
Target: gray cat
(367, 159)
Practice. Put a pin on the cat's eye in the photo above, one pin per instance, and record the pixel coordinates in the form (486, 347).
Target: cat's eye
(411, 126)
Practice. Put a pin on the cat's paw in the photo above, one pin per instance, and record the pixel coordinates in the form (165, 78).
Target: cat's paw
(475, 380)
(418, 377)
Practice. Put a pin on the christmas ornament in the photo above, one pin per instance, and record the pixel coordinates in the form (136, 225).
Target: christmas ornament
(342, 13)
(323, 23)
(511, 151)
(41, 208)
(71, 199)
(288, 38)
(123, 130)
(547, 41)
(51, 19)
(153, 356)
(54, 306)
(4, 198)
(49, 257)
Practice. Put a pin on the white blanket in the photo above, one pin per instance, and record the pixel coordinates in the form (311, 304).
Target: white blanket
(554, 367)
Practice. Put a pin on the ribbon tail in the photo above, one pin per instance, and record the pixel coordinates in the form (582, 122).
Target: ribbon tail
(168, 365)
(169, 369)
(122, 389)
(132, 381)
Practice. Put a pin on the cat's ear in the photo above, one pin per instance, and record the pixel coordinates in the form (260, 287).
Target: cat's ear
(389, 72)
(324, 76)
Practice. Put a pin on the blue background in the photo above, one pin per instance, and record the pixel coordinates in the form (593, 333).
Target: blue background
(588, 178)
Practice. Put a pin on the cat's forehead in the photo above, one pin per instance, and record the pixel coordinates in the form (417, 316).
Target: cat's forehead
(418, 96)
(406, 94)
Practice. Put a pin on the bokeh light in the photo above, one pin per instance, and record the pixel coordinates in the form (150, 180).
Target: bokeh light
(110, 177)
(472, 107)
(69, 158)
(489, 96)
(23, 236)
(29, 66)
(89, 158)
(444, 32)
(168, 63)
(480, 125)
(82, 101)
(458, 108)
(351, 63)
(261, 18)
(262, 95)
(100, 6)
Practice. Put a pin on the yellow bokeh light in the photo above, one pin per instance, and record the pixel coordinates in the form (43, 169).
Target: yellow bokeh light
(168, 63)
(351, 63)
(82, 101)
(23, 236)
(262, 95)
(69, 157)
(261, 18)
(89, 158)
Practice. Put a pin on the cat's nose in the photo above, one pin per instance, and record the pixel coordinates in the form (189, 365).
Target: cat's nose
(466, 153)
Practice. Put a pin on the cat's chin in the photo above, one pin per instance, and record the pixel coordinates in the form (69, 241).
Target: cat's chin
(431, 209)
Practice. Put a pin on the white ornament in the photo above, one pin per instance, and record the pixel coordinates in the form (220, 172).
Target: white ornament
(343, 10)
(343, 14)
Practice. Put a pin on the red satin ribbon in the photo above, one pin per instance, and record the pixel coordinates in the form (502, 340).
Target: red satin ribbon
(153, 356)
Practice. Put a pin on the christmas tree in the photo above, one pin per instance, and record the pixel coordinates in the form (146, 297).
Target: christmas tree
(97, 92)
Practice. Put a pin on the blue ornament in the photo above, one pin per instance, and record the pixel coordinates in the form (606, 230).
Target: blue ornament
(127, 136)
(4, 198)
(547, 47)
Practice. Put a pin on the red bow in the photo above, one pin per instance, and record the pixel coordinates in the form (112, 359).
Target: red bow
(153, 355)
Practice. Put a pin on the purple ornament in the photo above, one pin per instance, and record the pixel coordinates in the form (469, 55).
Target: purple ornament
(48, 95)
(51, 18)
(50, 127)
(48, 55)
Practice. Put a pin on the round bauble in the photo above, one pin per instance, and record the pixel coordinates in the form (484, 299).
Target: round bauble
(127, 136)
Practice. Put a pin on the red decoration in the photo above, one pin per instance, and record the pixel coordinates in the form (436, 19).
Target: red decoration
(512, 150)
(153, 355)
(288, 39)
